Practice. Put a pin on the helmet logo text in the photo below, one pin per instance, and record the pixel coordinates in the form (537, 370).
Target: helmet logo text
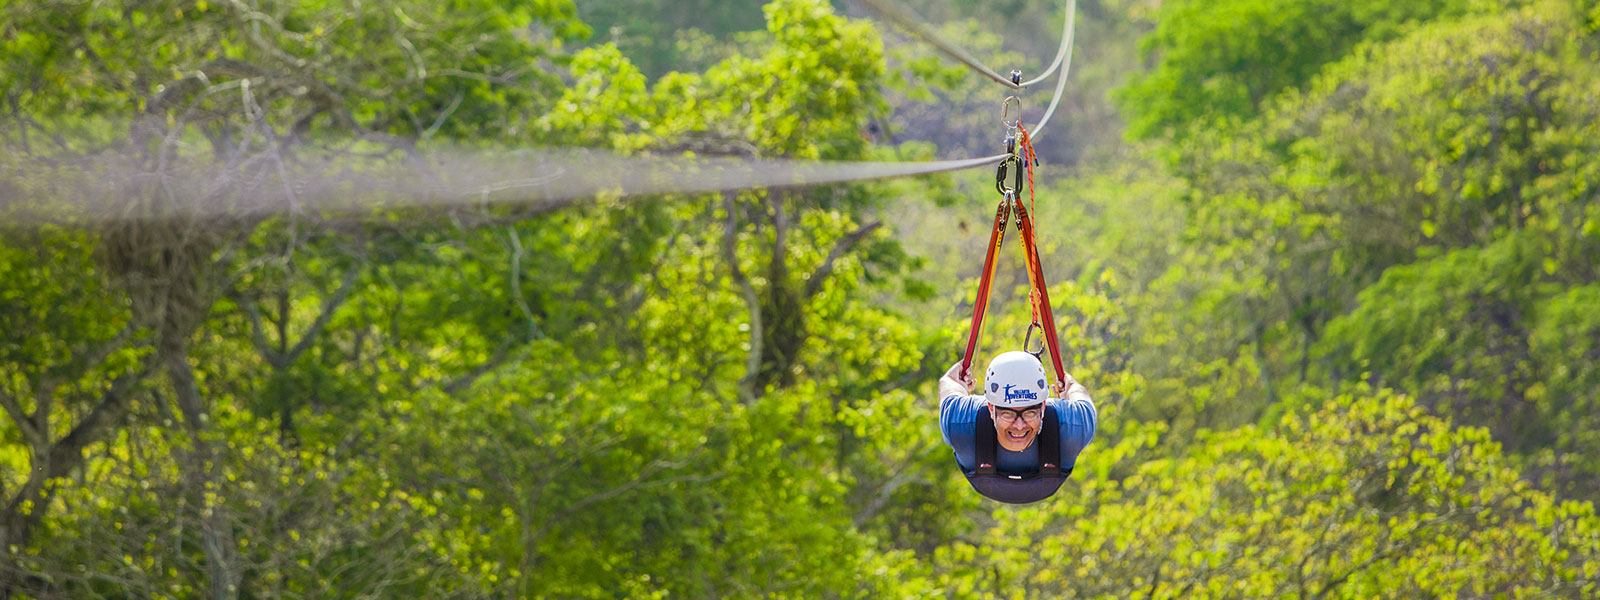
(1020, 394)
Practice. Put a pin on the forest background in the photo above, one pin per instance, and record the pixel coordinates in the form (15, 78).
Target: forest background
(1331, 270)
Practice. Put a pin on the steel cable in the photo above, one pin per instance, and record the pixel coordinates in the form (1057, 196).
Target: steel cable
(921, 29)
(1066, 45)
(558, 187)
(439, 179)
(1061, 83)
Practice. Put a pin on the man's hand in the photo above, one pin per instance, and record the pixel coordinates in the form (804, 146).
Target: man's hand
(953, 376)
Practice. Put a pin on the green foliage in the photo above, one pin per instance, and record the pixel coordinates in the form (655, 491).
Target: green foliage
(1342, 347)
(1218, 62)
(1366, 497)
(418, 69)
(1455, 136)
(660, 35)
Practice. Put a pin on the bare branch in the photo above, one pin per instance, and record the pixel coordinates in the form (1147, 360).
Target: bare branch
(62, 457)
(639, 480)
(94, 357)
(439, 122)
(814, 284)
(203, 471)
(69, 450)
(45, 391)
(328, 307)
(779, 262)
(257, 337)
(886, 493)
(752, 364)
(16, 113)
(24, 421)
(516, 284)
(1336, 582)
(500, 357)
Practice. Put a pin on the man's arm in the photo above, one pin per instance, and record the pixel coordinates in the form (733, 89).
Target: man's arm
(1079, 421)
(957, 414)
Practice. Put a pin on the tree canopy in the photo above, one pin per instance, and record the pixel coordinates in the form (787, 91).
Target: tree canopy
(1335, 302)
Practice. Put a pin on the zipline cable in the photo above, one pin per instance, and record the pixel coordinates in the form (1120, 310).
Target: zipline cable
(559, 187)
(921, 29)
(1061, 83)
(543, 181)
(1066, 45)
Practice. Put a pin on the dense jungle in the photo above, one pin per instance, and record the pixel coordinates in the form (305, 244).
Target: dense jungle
(1330, 270)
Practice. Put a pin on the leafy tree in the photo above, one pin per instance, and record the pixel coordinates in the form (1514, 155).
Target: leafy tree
(246, 92)
(729, 395)
(1216, 63)
(1367, 496)
(1395, 155)
(652, 33)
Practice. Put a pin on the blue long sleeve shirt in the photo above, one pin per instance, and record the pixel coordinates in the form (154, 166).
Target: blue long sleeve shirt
(958, 415)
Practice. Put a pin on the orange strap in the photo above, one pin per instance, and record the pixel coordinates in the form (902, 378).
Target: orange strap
(1039, 294)
(1038, 291)
(1028, 158)
(981, 303)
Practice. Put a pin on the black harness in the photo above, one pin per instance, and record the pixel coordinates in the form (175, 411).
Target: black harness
(1017, 489)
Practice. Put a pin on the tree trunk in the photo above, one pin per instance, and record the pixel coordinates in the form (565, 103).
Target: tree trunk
(203, 472)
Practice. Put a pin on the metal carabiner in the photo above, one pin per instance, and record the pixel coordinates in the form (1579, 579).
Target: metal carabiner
(1005, 114)
(1011, 166)
(1028, 339)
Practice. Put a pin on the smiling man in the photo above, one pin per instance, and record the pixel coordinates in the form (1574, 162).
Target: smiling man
(1014, 443)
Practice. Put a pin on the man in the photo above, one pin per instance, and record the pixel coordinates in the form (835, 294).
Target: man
(994, 435)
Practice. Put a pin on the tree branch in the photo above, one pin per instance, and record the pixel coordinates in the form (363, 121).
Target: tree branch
(257, 337)
(22, 127)
(516, 284)
(1334, 583)
(886, 493)
(203, 471)
(60, 458)
(89, 430)
(752, 363)
(439, 122)
(24, 421)
(814, 284)
(637, 481)
(94, 357)
(500, 356)
(328, 307)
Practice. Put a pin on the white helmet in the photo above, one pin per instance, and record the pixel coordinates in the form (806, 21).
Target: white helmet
(1015, 379)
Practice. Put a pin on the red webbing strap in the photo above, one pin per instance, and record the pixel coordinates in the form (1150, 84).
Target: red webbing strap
(1028, 158)
(981, 303)
(1041, 294)
(1025, 144)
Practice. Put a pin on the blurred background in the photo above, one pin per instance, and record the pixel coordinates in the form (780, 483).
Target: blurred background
(283, 315)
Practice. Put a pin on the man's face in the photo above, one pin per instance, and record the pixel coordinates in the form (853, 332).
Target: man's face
(1016, 427)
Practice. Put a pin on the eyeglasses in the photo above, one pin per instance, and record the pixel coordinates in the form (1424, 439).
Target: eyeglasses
(1005, 416)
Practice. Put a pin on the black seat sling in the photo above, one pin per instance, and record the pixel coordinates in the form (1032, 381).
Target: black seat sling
(1021, 488)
